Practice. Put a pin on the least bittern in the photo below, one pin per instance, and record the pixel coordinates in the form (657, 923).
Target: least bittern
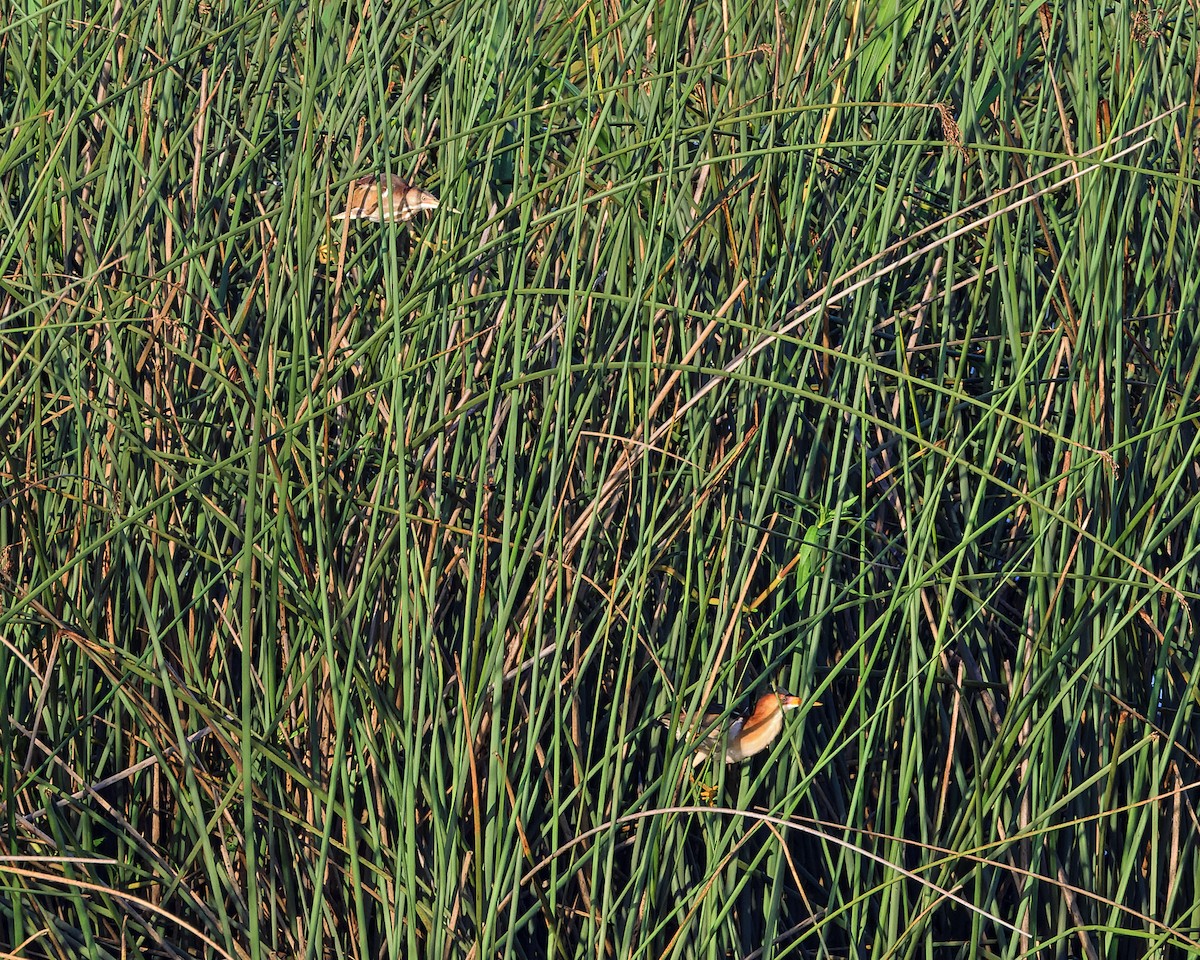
(746, 735)
(385, 198)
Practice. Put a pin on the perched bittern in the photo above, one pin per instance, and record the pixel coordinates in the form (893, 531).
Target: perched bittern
(385, 198)
(747, 735)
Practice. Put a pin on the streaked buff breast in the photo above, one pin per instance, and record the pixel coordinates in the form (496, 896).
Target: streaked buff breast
(756, 735)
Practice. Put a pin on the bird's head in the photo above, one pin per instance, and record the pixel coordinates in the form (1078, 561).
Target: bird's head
(779, 700)
(415, 201)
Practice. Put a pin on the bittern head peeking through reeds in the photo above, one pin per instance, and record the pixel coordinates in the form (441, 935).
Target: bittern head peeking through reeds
(382, 199)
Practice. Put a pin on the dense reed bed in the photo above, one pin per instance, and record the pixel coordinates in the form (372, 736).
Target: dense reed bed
(345, 568)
